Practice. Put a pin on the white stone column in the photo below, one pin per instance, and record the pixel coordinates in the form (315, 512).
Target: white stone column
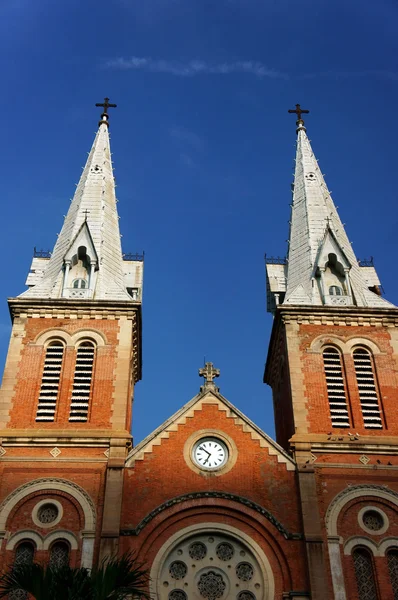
(66, 275)
(348, 283)
(88, 549)
(336, 568)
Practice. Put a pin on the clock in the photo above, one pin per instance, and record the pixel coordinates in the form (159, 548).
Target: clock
(210, 453)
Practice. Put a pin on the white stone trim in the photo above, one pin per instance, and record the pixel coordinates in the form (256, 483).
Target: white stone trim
(60, 536)
(89, 335)
(386, 544)
(49, 484)
(213, 433)
(346, 345)
(360, 540)
(53, 334)
(351, 493)
(26, 534)
(36, 509)
(381, 513)
(331, 518)
(209, 527)
(363, 342)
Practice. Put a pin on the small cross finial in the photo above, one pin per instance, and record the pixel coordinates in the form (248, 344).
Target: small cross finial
(105, 104)
(208, 372)
(86, 212)
(299, 111)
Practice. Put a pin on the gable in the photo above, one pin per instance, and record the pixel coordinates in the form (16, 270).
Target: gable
(226, 411)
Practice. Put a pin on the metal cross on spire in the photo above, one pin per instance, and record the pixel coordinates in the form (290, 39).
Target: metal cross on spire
(208, 372)
(299, 111)
(105, 104)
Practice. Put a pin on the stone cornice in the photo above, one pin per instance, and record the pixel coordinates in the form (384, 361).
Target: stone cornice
(62, 437)
(66, 308)
(348, 316)
(211, 495)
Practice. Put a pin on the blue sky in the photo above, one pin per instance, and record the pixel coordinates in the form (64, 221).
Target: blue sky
(203, 151)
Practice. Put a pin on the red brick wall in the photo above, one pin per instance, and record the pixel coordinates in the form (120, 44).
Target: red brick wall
(25, 401)
(164, 474)
(315, 382)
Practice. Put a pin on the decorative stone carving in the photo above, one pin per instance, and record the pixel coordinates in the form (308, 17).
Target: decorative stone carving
(224, 496)
(225, 551)
(244, 571)
(364, 459)
(178, 595)
(197, 551)
(55, 452)
(373, 520)
(47, 513)
(178, 569)
(211, 585)
(246, 595)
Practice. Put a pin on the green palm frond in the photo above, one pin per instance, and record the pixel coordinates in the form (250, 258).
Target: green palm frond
(116, 579)
(120, 578)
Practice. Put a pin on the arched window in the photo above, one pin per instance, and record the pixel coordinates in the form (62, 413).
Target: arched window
(392, 557)
(82, 382)
(24, 555)
(367, 389)
(364, 574)
(50, 381)
(59, 555)
(335, 290)
(80, 284)
(337, 394)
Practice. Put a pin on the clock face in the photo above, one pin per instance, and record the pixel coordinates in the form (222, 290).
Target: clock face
(210, 453)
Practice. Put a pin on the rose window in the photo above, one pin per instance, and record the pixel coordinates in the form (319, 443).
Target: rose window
(48, 513)
(211, 585)
(373, 520)
(178, 595)
(244, 571)
(178, 569)
(211, 565)
(225, 551)
(197, 551)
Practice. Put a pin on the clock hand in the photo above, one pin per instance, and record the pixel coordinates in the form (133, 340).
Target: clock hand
(204, 450)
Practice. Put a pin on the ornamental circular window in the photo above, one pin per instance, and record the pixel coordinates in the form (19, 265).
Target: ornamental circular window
(225, 551)
(209, 565)
(373, 520)
(197, 550)
(178, 595)
(211, 585)
(178, 569)
(246, 595)
(47, 513)
(244, 571)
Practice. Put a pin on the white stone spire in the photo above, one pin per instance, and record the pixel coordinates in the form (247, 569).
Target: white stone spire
(87, 258)
(321, 266)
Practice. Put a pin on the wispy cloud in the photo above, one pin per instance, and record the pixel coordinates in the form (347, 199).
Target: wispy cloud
(194, 67)
(187, 138)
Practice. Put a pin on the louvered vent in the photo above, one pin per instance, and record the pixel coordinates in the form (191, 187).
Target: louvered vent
(336, 388)
(82, 382)
(368, 395)
(50, 382)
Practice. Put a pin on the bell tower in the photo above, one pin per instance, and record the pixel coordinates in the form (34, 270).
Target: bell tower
(75, 348)
(332, 358)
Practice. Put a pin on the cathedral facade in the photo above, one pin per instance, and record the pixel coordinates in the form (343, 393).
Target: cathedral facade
(214, 507)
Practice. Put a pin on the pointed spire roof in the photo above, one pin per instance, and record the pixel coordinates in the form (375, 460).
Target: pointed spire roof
(92, 221)
(316, 231)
